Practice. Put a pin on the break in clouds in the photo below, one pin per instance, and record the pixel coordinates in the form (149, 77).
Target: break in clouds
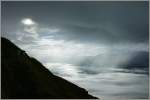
(101, 46)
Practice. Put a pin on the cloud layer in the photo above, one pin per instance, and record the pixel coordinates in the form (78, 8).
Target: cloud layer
(102, 22)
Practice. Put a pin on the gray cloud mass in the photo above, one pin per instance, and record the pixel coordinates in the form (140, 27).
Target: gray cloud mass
(84, 21)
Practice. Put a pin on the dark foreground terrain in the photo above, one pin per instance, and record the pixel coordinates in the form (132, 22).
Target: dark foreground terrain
(24, 77)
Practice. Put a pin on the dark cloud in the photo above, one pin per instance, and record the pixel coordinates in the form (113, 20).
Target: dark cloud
(103, 22)
(134, 71)
(139, 60)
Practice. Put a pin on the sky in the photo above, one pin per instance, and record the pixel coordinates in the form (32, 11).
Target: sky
(101, 46)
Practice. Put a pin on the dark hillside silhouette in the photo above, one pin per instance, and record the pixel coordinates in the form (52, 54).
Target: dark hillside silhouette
(24, 77)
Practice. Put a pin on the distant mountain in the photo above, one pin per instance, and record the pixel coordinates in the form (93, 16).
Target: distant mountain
(23, 77)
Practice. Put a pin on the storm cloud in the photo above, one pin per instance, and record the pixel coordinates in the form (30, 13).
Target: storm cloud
(83, 21)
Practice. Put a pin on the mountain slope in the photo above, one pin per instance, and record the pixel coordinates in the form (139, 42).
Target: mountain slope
(25, 78)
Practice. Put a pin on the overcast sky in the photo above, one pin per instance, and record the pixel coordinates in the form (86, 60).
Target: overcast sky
(97, 45)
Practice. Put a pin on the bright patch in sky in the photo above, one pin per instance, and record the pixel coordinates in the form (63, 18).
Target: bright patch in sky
(28, 21)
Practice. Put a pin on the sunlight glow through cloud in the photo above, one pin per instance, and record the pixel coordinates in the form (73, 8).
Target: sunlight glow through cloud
(27, 21)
